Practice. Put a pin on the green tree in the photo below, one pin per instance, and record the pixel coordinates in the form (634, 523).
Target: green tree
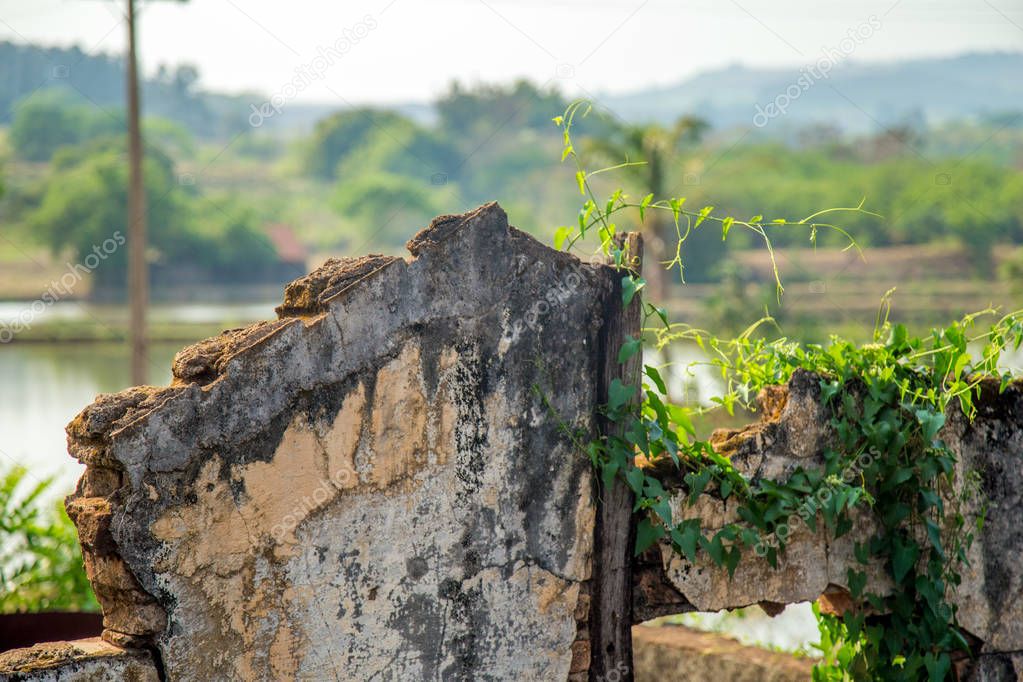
(82, 209)
(237, 251)
(81, 215)
(51, 119)
(339, 135)
(402, 148)
(519, 105)
(385, 205)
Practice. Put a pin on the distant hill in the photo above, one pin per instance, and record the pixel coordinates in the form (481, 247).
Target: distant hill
(856, 96)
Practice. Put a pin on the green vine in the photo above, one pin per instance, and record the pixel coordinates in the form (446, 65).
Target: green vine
(887, 400)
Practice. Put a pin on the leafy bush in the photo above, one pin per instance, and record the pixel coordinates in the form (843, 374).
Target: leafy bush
(41, 568)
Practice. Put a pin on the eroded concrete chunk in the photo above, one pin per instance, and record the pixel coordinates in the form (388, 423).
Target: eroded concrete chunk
(83, 660)
(371, 487)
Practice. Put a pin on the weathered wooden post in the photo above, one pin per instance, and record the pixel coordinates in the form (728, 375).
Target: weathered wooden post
(611, 605)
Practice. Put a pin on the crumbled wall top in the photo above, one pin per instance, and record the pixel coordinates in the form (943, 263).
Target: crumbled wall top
(370, 485)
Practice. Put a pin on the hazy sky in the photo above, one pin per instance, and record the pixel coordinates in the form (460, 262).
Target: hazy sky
(399, 50)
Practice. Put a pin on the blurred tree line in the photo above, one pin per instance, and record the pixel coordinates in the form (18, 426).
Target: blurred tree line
(170, 93)
(367, 178)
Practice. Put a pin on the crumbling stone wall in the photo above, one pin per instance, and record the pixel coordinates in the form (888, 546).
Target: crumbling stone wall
(379, 485)
(370, 487)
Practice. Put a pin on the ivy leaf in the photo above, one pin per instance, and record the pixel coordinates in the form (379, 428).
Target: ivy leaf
(643, 204)
(772, 557)
(697, 481)
(704, 212)
(663, 510)
(861, 551)
(631, 285)
(618, 394)
(934, 535)
(904, 556)
(688, 538)
(857, 581)
(732, 557)
(635, 478)
(930, 498)
(608, 474)
(580, 178)
(628, 349)
(676, 208)
(637, 435)
(843, 525)
(647, 533)
(660, 312)
(938, 666)
(931, 422)
(680, 416)
(560, 235)
(726, 225)
(655, 376)
(714, 549)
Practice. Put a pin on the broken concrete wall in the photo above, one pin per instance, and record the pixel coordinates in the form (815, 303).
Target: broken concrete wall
(793, 433)
(378, 485)
(370, 487)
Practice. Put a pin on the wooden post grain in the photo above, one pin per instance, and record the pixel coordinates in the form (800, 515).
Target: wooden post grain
(611, 600)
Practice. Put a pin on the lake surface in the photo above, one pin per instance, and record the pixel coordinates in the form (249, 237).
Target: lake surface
(11, 312)
(45, 385)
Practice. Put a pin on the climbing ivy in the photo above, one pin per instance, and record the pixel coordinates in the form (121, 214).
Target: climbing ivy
(887, 401)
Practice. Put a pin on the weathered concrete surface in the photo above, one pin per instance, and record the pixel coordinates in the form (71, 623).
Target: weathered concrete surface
(793, 433)
(369, 487)
(84, 660)
(680, 654)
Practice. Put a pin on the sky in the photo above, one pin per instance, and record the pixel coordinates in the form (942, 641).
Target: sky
(392, 51)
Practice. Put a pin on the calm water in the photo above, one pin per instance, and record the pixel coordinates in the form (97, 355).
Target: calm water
(46, 385)
(191, 313)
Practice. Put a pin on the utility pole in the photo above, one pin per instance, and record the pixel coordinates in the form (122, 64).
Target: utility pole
(138, 272)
